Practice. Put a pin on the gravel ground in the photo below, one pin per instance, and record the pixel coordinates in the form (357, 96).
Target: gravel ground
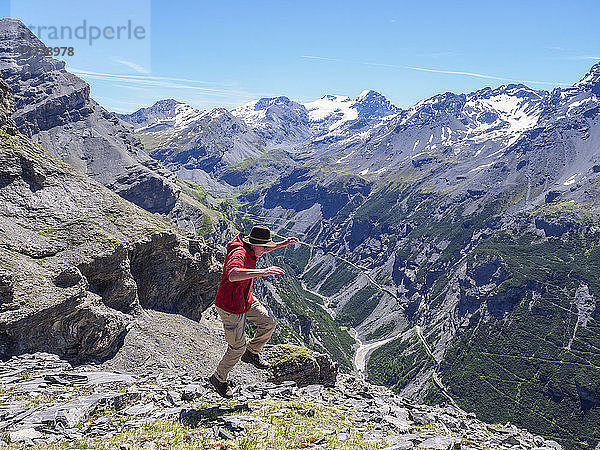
(171, 342)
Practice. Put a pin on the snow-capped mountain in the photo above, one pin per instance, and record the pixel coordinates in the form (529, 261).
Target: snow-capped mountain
(278, 120)
(332, 111)
(200, 145)
(166, 113)
(444, 127)
(371, 104)
(471, 135)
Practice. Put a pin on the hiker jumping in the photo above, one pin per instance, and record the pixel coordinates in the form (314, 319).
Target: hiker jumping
(234, 303)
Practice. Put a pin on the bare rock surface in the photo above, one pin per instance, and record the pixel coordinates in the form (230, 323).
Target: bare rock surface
(44, 400)
(159, 341)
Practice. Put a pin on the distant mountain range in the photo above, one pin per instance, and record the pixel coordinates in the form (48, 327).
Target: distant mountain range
(467, 134)
(472, 217)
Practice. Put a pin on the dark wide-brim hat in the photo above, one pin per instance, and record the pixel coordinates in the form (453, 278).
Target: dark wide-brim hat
(260, 235)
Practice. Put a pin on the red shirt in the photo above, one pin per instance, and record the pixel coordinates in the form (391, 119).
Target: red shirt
(236, 296)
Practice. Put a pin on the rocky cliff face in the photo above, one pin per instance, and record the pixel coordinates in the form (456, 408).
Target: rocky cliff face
(54, 109)
(78, 261)
(7, 124)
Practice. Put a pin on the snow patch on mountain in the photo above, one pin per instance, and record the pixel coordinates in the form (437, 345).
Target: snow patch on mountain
(331, 111)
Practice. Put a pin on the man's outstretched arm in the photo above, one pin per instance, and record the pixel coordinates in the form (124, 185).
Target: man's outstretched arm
(241, 274)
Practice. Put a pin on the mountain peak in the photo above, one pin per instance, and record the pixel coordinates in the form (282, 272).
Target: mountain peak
(265, 102)
(166, 109)
(368, 93)
(167, 102)
(514, 90)
(370, 104)
(15, 30)
(591, 81)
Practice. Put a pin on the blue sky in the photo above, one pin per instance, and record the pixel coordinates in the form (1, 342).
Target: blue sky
(222, 54)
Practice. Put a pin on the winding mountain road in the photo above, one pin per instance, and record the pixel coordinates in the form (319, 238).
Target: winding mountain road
(435, 377)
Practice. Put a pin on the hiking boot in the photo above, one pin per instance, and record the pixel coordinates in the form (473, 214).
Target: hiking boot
(222, 388)
(255, 360)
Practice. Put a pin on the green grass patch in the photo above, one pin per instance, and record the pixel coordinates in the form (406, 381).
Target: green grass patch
(290, 352)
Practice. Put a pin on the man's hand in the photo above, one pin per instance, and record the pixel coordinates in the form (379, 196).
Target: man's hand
(291, 240)
(273, 270)
(288, 241)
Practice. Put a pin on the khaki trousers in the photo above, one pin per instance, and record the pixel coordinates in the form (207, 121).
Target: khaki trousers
(234, 326)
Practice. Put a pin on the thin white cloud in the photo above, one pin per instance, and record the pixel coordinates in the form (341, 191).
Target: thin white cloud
(449, 72)
(579, 57)
(166, 83)
(134, 88)
(132, 65)
(135, 77)
(323, 58)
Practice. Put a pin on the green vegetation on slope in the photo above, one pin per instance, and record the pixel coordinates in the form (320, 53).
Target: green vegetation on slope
(381, 331)
(338, 279)
(304, 315)
(359, 307)
(540, 367)
(394, 364)
(313, 276)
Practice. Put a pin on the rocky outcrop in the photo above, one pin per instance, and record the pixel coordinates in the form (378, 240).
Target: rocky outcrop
(53, 107)
(302, 366)
(78, 261)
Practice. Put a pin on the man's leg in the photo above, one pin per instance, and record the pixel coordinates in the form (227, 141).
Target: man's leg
(233, 325)
(265, 323)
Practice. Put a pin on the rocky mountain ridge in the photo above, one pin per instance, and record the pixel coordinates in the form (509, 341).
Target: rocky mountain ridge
(167, 112)
(79, 262)
(54, 109)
